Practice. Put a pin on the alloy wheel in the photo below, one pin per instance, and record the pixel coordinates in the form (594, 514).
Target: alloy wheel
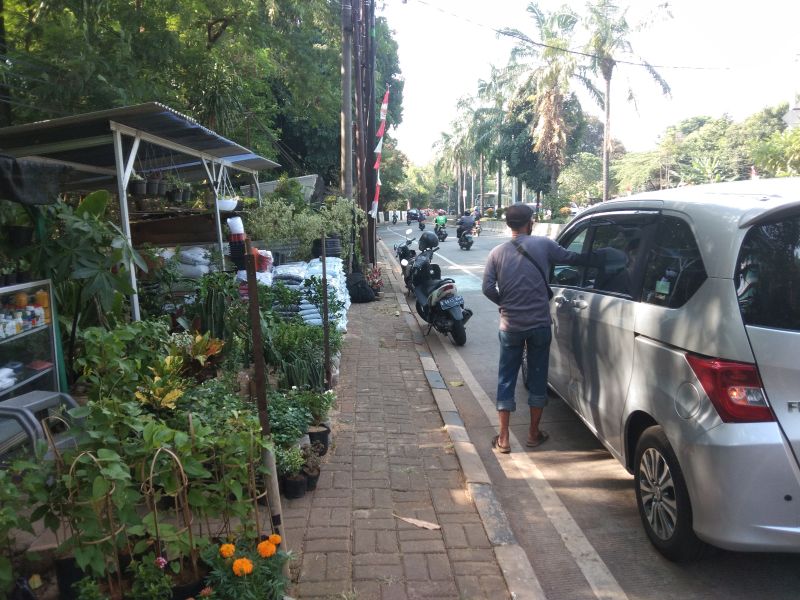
(657, 490)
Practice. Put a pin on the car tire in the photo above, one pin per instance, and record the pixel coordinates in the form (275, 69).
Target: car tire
(662, 498)
(459, 333)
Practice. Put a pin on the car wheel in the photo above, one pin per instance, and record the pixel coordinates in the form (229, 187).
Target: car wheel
(459, 333)
(663, 499)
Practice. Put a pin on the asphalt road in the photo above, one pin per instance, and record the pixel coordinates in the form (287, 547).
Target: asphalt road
(570, 503)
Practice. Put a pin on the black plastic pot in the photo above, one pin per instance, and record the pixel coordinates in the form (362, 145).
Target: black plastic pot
(311, 479)
(333, 246)
(320, 440)
(67, 575)
(138, 187)
(162, 187)
(295, 486)
(187, 590)
(19, 235)
(152, 187)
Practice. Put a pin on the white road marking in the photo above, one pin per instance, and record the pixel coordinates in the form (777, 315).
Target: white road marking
(599, 577)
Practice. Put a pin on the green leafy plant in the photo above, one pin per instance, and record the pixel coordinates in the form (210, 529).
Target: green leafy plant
(12, 518)
(289, 461)
(88, 589)
(289, 421)
(150, 581)
(164, 386)
(317, 403)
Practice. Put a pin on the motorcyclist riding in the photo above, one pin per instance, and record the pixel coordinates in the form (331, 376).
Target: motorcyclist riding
(440, 221)
(465, 223)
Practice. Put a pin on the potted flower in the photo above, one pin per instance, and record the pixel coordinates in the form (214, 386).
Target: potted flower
(289, 462)
(318, 404)
(375, 280)
(246, 569)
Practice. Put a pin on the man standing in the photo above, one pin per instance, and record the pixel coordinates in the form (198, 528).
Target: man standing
(515, 279)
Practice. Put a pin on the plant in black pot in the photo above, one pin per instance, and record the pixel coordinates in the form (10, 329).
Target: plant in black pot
(137, 185)
(318, 405)
(312, 465)
(289, 462)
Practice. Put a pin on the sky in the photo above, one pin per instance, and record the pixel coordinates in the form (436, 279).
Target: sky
(749, 53)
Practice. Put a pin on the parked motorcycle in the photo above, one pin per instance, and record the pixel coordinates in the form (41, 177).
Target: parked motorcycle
(441, 233)
(465, 241)
(405, 255)
(438, 302)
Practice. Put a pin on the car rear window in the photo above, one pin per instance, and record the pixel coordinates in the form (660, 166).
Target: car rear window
(767, 275)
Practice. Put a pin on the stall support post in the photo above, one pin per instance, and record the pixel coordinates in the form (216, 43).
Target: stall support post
(326, 342)
(123, 175)
(273, 494)
(215, 180)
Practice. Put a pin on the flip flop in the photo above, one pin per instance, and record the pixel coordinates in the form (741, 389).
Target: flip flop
(501, 449)
(543, 437)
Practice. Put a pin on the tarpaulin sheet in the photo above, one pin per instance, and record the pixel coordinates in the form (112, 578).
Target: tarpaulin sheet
(28, 182)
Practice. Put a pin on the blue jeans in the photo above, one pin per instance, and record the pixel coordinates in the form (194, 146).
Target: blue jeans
(512, 344)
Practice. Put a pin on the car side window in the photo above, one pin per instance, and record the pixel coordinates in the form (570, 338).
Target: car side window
(675, 269)
(570, 275)
(615, 249)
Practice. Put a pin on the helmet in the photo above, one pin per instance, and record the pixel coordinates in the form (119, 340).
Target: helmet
(428, 240)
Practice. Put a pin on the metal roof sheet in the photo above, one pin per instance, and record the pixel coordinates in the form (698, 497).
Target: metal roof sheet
(85, 142)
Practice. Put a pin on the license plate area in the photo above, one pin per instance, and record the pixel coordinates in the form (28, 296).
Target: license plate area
(451, 301)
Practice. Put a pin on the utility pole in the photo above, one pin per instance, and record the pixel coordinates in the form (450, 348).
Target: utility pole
(346, 179)
(361, 153)
(369, 96)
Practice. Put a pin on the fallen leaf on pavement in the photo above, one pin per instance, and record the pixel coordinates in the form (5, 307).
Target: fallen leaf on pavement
(455, 383)
(417, 522)
(397, 313)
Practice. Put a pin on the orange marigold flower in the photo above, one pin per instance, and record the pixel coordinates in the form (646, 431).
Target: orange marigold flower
(275, 539)
(242, 566)
(266, 549)
(227, 550)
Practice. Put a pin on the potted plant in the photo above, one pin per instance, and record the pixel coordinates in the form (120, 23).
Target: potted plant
(375, 280)
(246, 569)
(318, 404)
(311, 466)
(137, 185)
(289, 462)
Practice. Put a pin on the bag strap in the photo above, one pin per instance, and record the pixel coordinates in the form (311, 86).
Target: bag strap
(524, 253)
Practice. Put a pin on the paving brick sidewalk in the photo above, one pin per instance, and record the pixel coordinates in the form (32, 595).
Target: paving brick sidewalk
(391, 457)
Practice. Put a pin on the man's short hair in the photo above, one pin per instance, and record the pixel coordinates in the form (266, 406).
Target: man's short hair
(518, 215)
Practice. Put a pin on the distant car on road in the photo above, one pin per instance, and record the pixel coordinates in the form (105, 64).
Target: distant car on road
(680, 354)
(412, 215)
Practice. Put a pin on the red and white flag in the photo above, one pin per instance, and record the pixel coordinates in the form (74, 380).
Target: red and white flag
(378, 152)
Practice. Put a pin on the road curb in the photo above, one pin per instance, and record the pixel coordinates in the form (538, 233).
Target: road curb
(520, 578)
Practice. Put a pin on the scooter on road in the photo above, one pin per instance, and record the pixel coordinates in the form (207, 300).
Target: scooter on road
(405, 256)
(438, 302)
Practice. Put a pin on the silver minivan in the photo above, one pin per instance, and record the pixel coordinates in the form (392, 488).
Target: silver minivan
(682, 354)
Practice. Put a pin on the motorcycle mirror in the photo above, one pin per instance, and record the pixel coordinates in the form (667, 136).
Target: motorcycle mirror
(404, 263)
(409, 231)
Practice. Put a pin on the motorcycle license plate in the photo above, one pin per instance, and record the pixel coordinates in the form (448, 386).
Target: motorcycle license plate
(451, 301)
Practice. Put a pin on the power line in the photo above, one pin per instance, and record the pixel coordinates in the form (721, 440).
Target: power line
(525, 39)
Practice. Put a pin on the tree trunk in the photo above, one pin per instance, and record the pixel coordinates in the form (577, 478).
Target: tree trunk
(517, 189)
(500, 184)
(5, 90)
(481, 191)
(607, 138)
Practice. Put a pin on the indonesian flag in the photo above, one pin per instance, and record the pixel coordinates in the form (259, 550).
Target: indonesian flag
(374, 211)
(385, 106)
(377, 163)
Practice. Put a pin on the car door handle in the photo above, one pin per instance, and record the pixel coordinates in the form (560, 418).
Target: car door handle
(580, 304)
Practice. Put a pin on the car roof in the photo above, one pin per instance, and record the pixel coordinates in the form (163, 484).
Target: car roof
(720, 212)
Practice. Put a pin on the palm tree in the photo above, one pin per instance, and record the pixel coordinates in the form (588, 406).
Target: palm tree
(609, 30)
(549, 83)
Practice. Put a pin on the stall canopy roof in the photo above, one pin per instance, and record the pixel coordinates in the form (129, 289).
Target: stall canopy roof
(171, 143)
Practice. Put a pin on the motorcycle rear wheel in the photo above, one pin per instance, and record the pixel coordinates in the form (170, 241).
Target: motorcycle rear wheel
(459, 333)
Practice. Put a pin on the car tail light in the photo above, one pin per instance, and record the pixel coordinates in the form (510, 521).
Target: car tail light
(734, 389)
